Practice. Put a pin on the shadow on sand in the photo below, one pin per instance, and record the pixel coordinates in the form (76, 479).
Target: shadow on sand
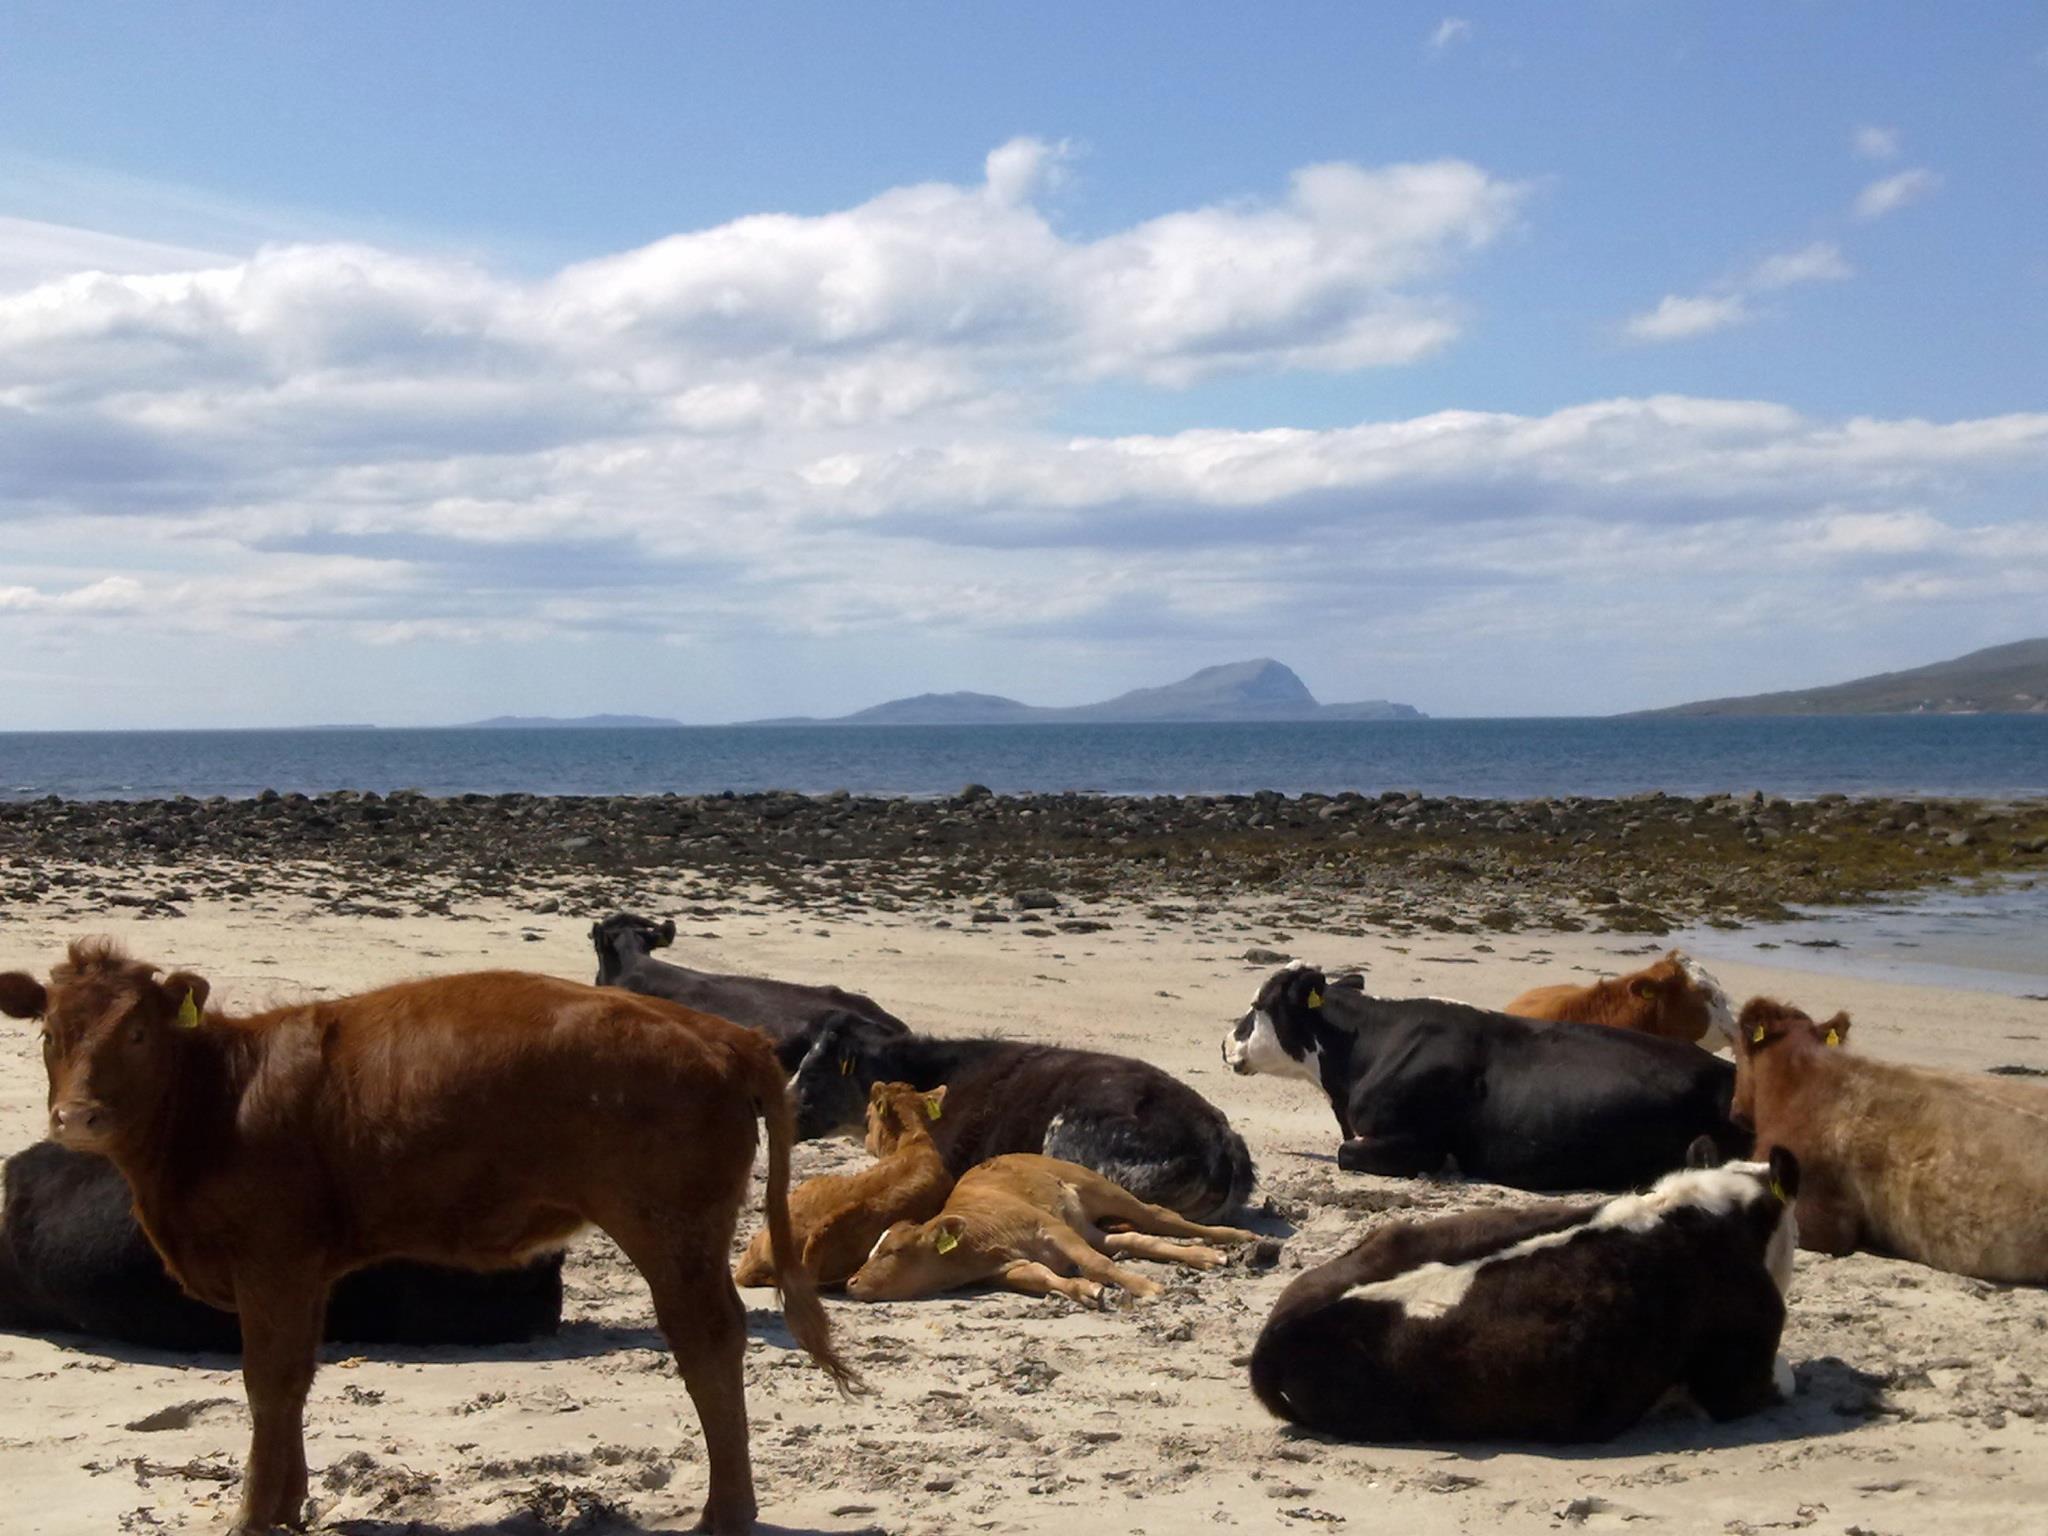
(1833, 1398)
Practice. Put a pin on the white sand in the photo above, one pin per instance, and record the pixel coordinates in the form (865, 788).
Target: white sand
(1921, 1404)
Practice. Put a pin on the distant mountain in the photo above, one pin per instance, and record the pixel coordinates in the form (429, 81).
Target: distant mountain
(557, 723)
(2002, 680)
(1240, 690)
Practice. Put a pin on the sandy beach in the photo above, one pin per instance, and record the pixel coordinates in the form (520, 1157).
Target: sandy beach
(1920, 1397)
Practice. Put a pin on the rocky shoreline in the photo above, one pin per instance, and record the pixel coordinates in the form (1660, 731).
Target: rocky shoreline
(1395, 862)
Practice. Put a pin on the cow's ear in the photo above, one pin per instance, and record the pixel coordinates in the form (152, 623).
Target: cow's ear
(947, 1232)
(1644, 987)
(1703, 1153)
(22, 996)
(1760, 1020)
(1836, 1030)
(1305, 986)
(1784, 1174)
(667, 930)
(187, 993)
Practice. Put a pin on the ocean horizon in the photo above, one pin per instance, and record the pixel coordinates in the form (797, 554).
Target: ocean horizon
(1989, 756)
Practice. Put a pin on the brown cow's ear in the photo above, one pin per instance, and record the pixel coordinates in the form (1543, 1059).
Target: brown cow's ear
(947, 1232)
(22, 996)
(180, 985)
(1836, 1030)
(1643, 987)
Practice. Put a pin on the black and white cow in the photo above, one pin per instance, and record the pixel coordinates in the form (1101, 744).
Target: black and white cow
(74, 1260)
(1566, 1321)
(779, 1009)
(1126, 1119)
(1417, 1081)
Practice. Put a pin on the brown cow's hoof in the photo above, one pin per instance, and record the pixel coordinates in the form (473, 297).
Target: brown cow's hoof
(735, 1524)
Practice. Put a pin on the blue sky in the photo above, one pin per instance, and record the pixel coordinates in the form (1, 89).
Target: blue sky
(402, 363)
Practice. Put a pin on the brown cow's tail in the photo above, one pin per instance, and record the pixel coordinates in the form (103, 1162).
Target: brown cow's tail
(801, 1308)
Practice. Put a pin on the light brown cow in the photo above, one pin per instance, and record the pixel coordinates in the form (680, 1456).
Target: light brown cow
(836, 1218)
(472, 1120)
(1674, 999)
(1034, 1224)
(1945, 1168)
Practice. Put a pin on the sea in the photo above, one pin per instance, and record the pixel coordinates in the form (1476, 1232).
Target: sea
(1996, 756)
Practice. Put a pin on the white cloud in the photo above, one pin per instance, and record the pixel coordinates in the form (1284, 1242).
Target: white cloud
(1820, 262)
(1452, 29)
(1677, 318)
(789, 433)
(1875, 143)
(1891, 193)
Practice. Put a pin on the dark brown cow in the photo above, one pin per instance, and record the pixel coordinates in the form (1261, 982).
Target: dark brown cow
(1674, 999)
(1949, 1169)
(472, 1120)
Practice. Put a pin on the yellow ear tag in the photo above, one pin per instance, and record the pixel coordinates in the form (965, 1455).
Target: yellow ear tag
(946, 1242)
(188, 1012)
(931, 1109)
(846, 1066)
(1758, 1037)
(1779, 1190)
(1834, 1037)
(1315, 999)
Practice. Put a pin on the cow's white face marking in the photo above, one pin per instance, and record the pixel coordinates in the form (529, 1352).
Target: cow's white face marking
(1720, 1016)
(1431, 1290)
(1258, 1050)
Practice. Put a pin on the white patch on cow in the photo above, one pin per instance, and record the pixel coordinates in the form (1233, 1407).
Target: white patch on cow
(1779, 1251)
(878, 1246)
(1261, 1052)
(1720, 1016)
(1782, 1377)
(1052, 1129)
(1433, 1289)
(809, 1056)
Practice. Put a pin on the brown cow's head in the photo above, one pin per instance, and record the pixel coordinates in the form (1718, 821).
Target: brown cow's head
(896, 1109)
(112, 1034)
(1686, 1002)
(1771, 1032)
(912, 1259)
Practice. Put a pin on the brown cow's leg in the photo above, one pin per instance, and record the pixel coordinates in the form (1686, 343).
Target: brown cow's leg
(705, 1323)
(281, 1317)
(1137, 1245)
(1112, 1202)
(1077, 1251)
(1036, 1280)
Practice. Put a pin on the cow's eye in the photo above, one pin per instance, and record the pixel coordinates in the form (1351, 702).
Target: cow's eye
(135, 1033)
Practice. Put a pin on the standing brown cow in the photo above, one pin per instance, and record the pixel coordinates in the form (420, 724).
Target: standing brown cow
(473, 1120)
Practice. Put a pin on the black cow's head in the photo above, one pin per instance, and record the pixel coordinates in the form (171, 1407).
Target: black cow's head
(835, 1068)
(1280, 1033)
(623, 938)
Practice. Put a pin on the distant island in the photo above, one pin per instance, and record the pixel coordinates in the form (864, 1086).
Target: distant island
(1241, 690)
(575, 723)
(2000, 680)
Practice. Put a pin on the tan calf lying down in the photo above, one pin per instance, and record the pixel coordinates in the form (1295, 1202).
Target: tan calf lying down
(1949, 1169)
(836, 1218)
(1034, 1224)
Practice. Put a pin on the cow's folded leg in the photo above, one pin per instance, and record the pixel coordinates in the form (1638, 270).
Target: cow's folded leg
(1138, 1245)
(1393, 1156)
(1035, 1279)
(1733, 1376)
(281, 1316)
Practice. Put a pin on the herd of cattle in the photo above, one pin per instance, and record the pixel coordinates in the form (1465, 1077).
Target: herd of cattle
(406, 1165)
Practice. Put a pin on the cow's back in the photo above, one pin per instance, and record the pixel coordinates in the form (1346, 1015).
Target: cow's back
(1012, 1101)
(1583, 1106)
(1944, 1168)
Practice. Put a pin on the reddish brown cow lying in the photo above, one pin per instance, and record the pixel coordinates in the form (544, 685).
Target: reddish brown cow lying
(473, 1120)
(836, 1218)
(1945, 1168)
(1674, 999)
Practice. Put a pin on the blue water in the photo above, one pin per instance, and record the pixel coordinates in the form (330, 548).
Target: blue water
(1973, 755)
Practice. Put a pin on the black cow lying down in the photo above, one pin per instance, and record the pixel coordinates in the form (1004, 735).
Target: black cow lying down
(1415, 1081)
(779, 1009)
(1564, 1322)
(1126, 1119)
(73, 1260)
